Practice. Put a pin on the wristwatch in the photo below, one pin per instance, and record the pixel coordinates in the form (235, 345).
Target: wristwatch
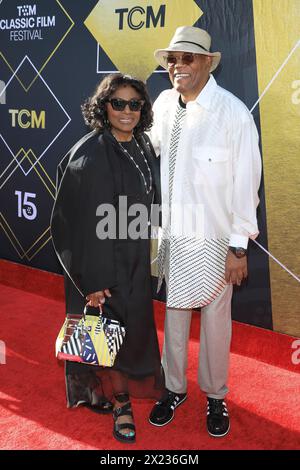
(238, 251)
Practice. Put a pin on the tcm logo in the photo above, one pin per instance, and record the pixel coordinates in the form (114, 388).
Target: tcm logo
(26, 10)
(138, 17)
(24, 118)
(138, 27)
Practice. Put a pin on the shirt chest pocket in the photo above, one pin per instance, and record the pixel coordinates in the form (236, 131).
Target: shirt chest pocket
(210, 166)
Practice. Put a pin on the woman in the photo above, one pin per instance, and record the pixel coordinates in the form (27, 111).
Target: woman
(112, 164)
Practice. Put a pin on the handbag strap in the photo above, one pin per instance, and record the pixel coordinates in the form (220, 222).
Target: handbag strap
(85, 311)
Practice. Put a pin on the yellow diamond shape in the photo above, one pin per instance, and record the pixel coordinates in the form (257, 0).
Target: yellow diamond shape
(129, 34)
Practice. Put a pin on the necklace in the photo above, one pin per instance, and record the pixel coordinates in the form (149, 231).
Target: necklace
(125, 151)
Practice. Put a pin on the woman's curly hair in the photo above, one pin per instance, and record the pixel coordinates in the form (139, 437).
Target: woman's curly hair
(94, 108)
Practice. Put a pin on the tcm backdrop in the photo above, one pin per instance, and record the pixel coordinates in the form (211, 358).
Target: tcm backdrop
(52, 54)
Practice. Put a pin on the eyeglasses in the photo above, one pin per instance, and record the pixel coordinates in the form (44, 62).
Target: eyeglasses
(186, 59)
(118, 104)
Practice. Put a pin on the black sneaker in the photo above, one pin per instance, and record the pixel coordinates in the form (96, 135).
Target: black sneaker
(217, 417)
(163, 411)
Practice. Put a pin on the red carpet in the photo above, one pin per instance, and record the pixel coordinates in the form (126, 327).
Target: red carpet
(263, 400)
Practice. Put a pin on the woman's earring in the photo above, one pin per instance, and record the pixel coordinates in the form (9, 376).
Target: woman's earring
(101, 112)
(106, 121)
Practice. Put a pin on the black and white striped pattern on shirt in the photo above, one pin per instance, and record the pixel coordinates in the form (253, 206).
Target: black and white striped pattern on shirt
(196, 271)
(175, 136)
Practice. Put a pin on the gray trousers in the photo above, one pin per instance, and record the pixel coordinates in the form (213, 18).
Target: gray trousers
(215, 338)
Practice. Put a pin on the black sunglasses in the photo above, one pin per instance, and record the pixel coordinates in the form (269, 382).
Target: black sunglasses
(118, 104)
(186, 59)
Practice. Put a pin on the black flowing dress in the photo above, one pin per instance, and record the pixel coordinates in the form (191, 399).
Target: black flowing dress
(97, 171)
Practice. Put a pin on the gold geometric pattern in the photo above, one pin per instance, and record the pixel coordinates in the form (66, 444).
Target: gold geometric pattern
(28, 157)
(45, 143)
(41, 172)
(43, 238)
(33, 250)
(26, 88)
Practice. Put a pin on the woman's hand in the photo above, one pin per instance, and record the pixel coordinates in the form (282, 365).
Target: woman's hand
(98, 298)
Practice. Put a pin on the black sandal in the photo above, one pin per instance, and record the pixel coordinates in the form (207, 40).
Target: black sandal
(124, 410)
(103, 408)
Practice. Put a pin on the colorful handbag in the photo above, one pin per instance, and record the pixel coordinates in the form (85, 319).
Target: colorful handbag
(90, 339)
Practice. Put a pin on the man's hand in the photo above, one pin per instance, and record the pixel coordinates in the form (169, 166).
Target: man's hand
(235, 269)
(98, 298)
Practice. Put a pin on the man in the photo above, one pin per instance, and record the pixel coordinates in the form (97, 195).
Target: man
(210, 174)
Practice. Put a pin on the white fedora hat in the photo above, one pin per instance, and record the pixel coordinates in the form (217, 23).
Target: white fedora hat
(189, 39)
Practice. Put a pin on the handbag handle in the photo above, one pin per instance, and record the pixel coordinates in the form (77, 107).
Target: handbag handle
(85, 310)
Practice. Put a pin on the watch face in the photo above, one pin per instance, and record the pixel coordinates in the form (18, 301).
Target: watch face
(240, 252)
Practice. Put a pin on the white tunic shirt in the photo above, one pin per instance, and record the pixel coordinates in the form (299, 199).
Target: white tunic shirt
(214, 196)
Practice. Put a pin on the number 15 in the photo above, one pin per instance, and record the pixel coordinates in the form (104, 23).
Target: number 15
(26, 208)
